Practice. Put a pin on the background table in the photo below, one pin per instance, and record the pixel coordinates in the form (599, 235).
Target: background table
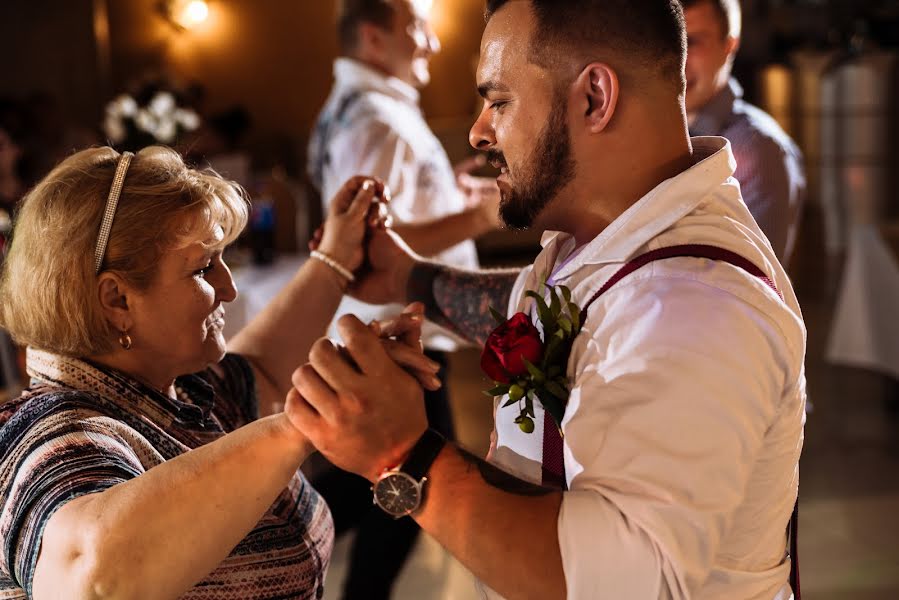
(256, 286)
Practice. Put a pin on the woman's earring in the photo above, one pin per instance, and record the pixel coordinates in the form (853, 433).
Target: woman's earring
(125, 341)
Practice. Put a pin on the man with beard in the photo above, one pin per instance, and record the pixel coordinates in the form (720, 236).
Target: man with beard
(674, 471)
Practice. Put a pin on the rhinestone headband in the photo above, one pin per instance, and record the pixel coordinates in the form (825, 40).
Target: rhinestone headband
(112, 202)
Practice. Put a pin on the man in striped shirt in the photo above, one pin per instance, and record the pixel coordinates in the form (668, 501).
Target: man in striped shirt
(769, 165)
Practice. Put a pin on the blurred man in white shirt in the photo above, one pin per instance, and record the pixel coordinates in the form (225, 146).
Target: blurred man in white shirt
(372, 124)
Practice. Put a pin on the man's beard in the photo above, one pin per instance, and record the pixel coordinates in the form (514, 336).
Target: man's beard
(549, 168)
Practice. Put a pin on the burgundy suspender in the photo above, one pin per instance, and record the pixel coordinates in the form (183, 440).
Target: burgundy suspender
(553, 457)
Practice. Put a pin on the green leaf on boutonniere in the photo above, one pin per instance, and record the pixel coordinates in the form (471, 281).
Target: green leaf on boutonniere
(550, 354)
(509, 402)
(498, 317)
(554, 406)
(554, 371)
(575, 313)
(536, 374)
(565, 325)
(500, 390)
(529, 402)
(543, 312)
(555, 305)
(566, 294)
(556, 390)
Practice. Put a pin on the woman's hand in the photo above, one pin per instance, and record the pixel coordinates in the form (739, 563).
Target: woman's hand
(353, 209)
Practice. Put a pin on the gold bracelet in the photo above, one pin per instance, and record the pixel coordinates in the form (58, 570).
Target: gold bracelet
(336, 266)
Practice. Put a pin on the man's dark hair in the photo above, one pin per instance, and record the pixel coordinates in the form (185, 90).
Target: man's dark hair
(649, 33)
(353, 13)
(728, 12)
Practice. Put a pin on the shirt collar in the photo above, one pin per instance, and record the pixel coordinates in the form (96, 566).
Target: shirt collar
(349, 72)
(713, 117)
(655, 212)
(122, 389)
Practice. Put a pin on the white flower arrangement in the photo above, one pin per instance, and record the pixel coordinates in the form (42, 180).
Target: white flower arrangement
(130, 125)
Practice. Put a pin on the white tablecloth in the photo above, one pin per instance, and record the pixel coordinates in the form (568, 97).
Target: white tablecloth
(865, 330)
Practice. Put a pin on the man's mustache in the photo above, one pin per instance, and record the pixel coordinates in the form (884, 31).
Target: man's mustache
(496, 158)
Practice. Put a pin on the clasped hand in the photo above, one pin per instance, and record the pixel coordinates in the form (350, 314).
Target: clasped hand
(361, 403)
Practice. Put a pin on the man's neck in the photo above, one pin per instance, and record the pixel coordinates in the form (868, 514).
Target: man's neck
(609, 183)
(371, 64)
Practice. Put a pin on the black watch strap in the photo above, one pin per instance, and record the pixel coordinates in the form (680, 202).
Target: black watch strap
(423, 454)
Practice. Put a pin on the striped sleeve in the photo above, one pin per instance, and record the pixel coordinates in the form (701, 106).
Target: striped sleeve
(55, 449)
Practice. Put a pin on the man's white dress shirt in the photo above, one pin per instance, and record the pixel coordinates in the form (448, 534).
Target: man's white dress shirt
(685, 421)
(372, 124)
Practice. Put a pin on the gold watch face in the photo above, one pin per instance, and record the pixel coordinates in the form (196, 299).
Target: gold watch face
(397, 493)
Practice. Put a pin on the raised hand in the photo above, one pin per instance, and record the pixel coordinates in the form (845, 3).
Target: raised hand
(469, 165)
(352, 211)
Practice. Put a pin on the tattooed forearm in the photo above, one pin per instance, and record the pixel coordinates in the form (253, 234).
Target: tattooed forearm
(496, 477)
(461, 300)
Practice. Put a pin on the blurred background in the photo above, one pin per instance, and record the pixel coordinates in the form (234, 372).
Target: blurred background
(249, 77)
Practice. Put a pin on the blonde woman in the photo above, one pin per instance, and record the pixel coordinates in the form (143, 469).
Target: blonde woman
(137, 465)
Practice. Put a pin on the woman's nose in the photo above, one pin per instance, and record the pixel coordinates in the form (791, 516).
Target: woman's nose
(226, 289)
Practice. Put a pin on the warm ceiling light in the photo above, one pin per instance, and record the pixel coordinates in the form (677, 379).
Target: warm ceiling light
(188, 14)
(423, 7)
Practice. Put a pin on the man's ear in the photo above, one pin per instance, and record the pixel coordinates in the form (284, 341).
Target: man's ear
(370, 46)
(732, 44)
(597, 85)
(113, 296)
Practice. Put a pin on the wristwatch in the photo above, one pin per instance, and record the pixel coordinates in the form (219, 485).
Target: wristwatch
(399, 491)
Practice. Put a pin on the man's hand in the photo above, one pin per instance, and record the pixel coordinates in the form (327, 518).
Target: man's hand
(480, 193)
(469, 165)
(390, 261)
(359, 408)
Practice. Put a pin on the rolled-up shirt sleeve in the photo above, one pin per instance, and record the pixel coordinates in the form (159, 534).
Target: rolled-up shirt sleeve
(664, 423)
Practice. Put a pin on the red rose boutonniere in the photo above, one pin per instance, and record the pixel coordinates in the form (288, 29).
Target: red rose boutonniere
(529, 367)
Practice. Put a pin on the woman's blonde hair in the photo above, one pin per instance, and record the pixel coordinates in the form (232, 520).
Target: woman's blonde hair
(48, 289)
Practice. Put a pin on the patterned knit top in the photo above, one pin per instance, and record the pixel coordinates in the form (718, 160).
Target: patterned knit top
(81, 428)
